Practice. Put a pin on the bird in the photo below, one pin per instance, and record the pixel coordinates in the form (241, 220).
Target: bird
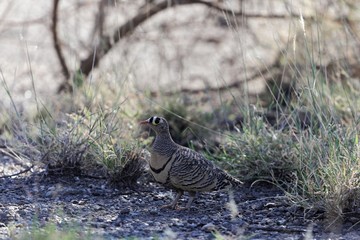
(182, 168)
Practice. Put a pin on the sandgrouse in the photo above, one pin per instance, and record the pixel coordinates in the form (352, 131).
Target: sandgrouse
(181, 168)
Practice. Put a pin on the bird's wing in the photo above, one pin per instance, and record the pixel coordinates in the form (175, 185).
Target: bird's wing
(191, 171)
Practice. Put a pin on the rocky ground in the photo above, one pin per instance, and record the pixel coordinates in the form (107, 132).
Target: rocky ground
(99, 209)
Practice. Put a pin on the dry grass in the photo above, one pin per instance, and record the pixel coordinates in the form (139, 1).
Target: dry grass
(77, 137)
(318, 166)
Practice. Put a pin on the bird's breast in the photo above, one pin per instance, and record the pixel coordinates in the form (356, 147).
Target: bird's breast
(160, 167)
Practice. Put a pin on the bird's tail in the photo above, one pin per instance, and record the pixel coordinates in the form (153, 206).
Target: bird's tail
(235, 182)
(228, 182)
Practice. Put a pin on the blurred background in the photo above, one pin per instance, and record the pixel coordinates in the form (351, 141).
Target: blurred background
(184, 47)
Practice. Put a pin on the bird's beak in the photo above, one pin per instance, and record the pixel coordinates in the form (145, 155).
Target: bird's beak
(144, 122)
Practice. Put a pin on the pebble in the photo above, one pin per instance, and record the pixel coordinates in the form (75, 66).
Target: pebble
(49, 194)
(134, 213)
(209, 227)
(97, 207)
(125, 211)
(154, 212)
(281, 221)
(78, 202)
(195, 234)
(192, 220)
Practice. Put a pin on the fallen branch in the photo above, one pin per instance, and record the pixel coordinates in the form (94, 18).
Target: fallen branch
(9, 152)
(18, 173)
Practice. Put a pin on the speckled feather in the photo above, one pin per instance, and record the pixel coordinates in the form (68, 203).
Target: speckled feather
(191, 171)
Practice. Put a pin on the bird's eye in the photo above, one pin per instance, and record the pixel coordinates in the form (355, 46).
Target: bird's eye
(156, 121)
(151, 119)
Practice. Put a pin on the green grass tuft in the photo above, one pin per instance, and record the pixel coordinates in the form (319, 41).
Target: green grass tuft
(51, 231)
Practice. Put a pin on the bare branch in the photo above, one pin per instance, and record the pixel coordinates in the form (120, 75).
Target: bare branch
(57, 44)
(145, 13)
(105, 44)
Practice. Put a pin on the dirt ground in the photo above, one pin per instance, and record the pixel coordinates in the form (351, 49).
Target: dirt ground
(94, 207)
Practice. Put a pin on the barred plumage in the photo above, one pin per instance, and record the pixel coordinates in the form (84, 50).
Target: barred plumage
(181, 168)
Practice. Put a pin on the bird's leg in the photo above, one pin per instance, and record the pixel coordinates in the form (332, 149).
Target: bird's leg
(193, 195)
(173, 204)
(191, 199)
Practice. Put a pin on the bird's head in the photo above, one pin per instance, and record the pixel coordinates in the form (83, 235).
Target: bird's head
(158, 124)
